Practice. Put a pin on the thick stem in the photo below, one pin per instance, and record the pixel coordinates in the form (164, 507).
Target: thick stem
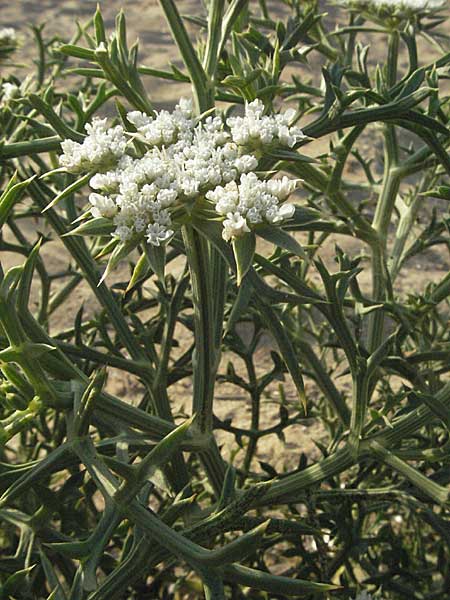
(205, 355)
(215, 18)
(385, 207)
(359, 404)
(290, 486)
(208, 319)
(203, 93)
(381, 223)
(392, 58)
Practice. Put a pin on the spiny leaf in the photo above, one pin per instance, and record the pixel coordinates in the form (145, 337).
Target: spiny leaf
(281, 239)
(95, 227)
(11, 195)
(121, 251)
(285, 346)
(69, 190)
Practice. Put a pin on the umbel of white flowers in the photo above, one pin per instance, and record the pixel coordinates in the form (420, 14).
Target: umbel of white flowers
(185, 161)
(396, 6)
(8, 36)
(9, 91)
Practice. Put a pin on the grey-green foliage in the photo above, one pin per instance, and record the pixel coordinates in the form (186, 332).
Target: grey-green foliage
(124, 495)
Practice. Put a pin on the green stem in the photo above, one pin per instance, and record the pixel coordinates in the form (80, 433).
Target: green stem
(215, 18)
(202, 94)
(204, 356)
(385, 205)
(49, 144)
(428, 486)
(392, 58)
(208, 336)
(289, 486)
(406, 425)
(382, 219)
(359, 403)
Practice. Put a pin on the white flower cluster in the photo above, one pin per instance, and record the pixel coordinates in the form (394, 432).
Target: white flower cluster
(255, 129)
(8, 36)
(252, 201)
(100, 149)
(185, 161)
(9, 91)
(395, 6)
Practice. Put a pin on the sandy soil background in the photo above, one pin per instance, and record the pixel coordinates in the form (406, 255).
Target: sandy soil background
(146, 21)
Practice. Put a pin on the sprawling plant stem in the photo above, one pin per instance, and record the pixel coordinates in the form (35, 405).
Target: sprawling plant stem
(384, 208)
(207, 269)
(205, 355)
(215, 18)
(206, 266)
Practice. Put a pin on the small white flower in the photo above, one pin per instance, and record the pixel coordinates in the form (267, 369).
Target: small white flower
(101, 148)
(123, 233)
(8, 36)
(286, 211)
(107, 182)
(158, 234)
(282, 188)
(246, 163)
(138, 118)
(102, 206)
(255, 128)
(234, 226)
(101, 48)
(9, 92)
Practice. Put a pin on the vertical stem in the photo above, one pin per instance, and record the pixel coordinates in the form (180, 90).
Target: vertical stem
(392, 59)
(207, 268)
(385, 207)
(381, 223)
(359, 403)
(203, 96)
(204, 359)
(350, 50)
(208, 322)
(215, 17)
(255, 400)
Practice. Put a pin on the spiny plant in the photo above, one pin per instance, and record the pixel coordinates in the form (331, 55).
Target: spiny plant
(200, 239)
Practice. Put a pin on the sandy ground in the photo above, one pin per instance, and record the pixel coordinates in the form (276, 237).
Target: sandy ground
(146, 21)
